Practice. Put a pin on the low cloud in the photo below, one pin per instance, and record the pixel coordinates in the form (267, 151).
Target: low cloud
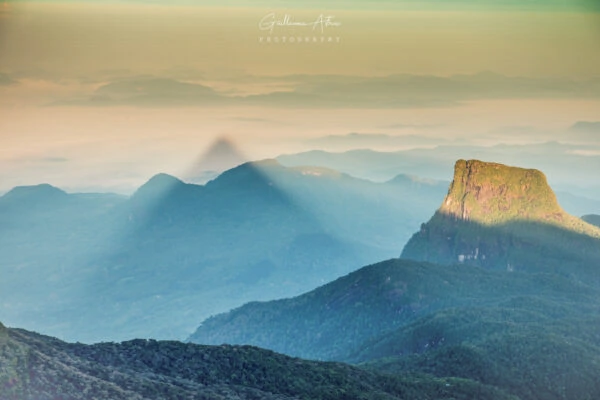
(585, 132)
(149, 91)
(5, 79)
(374, 141)
(324, 91)
(54, 159)
(413, 126)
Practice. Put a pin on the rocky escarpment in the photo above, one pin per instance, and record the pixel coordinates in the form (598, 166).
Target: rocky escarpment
(489, 193)
(504, 217)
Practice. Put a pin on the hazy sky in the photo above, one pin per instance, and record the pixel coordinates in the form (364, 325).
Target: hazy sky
(101, 95)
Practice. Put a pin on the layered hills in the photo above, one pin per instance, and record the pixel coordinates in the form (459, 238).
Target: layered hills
(511, 300)
(578, 193)
(532, 335)
(99, 267)
(500, 299)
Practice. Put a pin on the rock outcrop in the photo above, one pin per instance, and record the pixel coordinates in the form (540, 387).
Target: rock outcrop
(502, 217)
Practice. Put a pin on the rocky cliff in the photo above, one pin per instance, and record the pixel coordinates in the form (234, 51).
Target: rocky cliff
(490, 193)
(503, 217)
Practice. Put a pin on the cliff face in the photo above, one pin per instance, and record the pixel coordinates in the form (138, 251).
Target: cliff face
(502, 217)
(491, 193)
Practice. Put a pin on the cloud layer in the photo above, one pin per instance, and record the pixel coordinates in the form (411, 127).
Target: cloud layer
(321, 91)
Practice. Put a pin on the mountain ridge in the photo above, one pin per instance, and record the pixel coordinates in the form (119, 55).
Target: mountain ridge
(174, 253)
(38, 367)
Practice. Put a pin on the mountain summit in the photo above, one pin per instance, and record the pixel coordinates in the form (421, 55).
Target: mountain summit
(504, 217)
(490, 193)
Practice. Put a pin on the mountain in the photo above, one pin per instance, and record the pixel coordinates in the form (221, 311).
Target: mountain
(530, 347)
(46, 237)
(356, 140)
(100, 267)
(592, 219)
(508, 218)
(518, 311)
(43, 368)
(333, 320)
(577, 205)
(585, 131)
(37, 194)
(491, 193)
(524, 333)
(569, 167)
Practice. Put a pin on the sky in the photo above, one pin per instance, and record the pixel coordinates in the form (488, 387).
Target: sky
(100, 96)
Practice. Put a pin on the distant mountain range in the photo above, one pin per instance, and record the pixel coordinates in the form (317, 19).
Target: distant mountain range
(570, 168)
(593, 219)
(92, 267)
(500, 298)
(519, 310)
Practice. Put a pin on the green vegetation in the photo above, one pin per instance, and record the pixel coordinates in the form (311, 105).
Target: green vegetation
(531, 335)
(42, 368)
(523, 352)
(492, 194)
(510, 309)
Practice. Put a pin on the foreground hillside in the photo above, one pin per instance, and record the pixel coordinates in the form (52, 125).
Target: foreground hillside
(514, 330)
(42, 368)
(332, 321)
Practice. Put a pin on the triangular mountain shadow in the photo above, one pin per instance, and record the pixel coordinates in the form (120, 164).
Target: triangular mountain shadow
(222, 155)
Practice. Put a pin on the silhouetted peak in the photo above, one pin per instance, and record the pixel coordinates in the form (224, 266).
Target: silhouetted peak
(586, 126)
(42, 192)
(583, 132)
(159, 184)
(592, 219)
(162, 179)
(249, 173)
